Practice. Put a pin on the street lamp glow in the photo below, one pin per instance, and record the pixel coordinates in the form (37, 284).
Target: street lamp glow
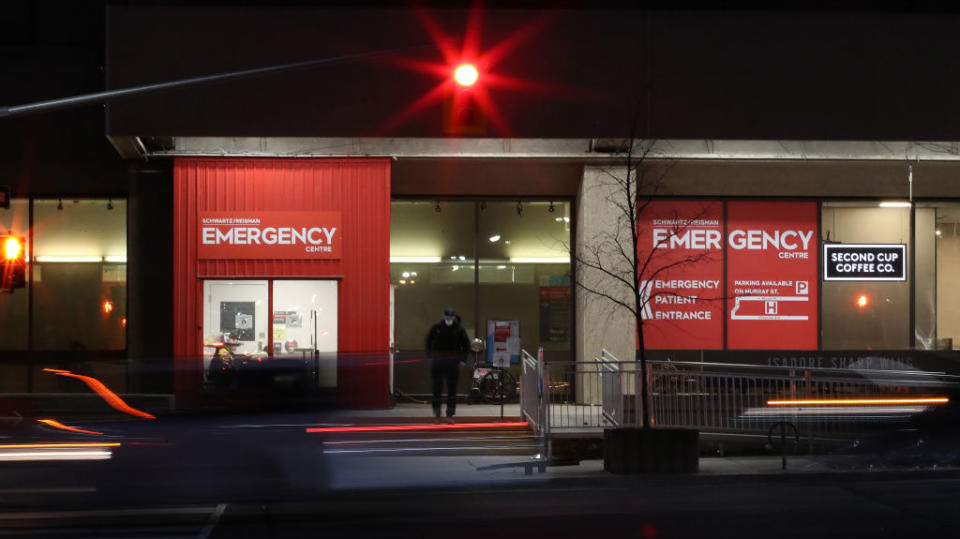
(466, 75)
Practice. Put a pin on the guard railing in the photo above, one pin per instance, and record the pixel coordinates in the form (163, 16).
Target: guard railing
(568, 398)
(750, 398)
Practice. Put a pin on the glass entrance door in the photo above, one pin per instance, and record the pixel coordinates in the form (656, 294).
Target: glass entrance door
(503, 266)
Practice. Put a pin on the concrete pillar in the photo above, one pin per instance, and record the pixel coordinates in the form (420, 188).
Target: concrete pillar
(150, 278)
(600, 322)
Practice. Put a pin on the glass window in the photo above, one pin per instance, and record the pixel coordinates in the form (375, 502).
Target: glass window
(866, 315)
(431, 267)
(523, 276)
(235, 309)
(14, 306)
(79, 287)
(525, 273)
(937, 232)
(304, 321)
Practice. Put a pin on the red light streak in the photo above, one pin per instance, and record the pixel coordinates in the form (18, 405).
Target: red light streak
(112, 398)
(394, 428)
(58, 425)
(925, 400)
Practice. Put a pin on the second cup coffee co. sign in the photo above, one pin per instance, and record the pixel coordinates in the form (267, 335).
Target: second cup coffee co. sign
(864, 262)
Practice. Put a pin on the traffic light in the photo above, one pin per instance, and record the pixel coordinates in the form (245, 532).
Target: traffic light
(463, 112)
(14, 267)
(466, 75)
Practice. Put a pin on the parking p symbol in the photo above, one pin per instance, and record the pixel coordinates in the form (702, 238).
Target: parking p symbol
(803, 288)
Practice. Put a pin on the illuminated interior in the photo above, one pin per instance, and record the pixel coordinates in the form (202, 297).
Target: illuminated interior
(489, 260)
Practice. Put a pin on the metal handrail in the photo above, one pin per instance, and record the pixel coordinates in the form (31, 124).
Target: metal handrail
(528, 360)
(608, 357)
(532, 401)
(611, 393)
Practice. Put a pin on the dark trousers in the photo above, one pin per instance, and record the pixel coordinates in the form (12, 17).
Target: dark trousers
(445, 370)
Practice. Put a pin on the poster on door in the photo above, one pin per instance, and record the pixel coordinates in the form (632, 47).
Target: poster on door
(772, 272)
(680, 257)
(503, 342)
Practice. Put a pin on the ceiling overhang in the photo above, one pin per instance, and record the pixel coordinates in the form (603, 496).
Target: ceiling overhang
(578, 150)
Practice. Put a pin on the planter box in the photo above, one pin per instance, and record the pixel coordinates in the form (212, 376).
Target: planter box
(636, 450)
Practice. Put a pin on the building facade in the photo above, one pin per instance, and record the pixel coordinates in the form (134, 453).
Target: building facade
(790, 211)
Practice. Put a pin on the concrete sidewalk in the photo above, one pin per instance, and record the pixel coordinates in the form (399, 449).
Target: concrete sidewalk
(388, 472)
(373, 471)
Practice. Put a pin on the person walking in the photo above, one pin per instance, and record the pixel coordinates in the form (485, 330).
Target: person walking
(447, 345)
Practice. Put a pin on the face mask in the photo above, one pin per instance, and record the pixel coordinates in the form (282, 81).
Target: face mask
(448, 320)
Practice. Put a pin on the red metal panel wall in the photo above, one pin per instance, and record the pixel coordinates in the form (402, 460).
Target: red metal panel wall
(358, 188)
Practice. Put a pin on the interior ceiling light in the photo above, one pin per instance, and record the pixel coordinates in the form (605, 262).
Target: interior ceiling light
(895, 204)
(416, 259)
(68, 259)
(495, 238)
(540, 260)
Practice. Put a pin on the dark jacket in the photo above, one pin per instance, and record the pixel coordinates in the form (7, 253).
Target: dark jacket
(445, 341)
